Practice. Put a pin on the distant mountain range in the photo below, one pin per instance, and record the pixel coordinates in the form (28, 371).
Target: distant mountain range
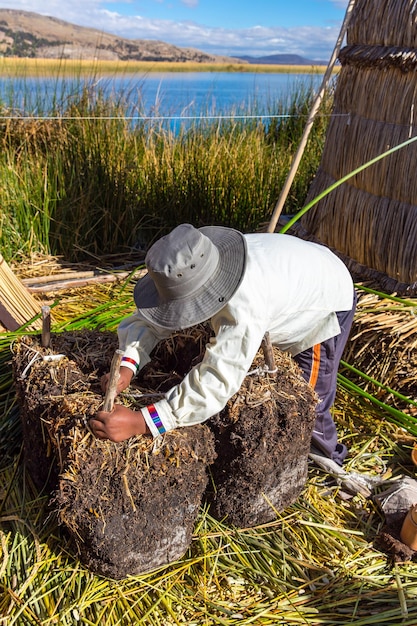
(281, 59)
(28, 34)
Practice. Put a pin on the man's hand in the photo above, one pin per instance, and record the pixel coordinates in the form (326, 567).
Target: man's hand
(125, 376)
(118, 425)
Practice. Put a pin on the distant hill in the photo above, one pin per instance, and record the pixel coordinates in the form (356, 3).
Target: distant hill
(27, 34)
(281, 59)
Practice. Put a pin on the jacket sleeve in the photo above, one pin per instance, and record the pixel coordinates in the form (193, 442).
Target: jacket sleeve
(209, 385)
(137, 340)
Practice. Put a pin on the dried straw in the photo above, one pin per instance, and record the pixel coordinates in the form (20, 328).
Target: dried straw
(372, 218)
(17, 305)
(384, 345)
(316, 564)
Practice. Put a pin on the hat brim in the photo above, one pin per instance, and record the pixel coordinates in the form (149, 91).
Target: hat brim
(210, 299)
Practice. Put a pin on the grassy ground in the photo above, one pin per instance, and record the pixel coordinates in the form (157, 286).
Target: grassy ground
(315, 564)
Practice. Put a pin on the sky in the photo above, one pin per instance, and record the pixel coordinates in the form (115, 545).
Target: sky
(228, 27)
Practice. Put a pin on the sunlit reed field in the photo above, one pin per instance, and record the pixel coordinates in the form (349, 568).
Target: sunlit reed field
(84, 176)
(41, 67)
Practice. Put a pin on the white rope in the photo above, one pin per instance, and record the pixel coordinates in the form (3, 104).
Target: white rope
(154, 117)
(35, 357)
(48, 358)
(264, 369)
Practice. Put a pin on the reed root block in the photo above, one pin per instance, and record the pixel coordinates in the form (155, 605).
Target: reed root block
(130, 507)
(262, 443)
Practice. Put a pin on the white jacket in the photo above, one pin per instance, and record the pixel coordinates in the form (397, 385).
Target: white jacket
(291, 288)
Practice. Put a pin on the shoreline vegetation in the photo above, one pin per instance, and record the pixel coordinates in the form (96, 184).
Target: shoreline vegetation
(18, 67)
(84, 175)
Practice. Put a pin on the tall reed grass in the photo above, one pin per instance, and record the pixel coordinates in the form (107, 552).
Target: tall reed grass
(79, 177)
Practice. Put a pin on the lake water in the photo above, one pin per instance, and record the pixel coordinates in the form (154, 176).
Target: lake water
(168, 95)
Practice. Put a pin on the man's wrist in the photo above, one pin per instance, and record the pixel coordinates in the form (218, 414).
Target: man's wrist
(147, 430)
(130, 363)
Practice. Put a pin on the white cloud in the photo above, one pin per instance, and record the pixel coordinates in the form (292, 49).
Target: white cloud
(311, 42)
(190, 3)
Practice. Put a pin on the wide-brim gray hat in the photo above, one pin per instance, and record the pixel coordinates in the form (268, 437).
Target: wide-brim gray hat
(192, 274)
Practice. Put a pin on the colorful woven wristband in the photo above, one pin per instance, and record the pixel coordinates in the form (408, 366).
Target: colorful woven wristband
(156, 419)
(126, 359)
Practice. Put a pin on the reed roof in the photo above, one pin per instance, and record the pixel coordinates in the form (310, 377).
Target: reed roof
(385, 22)
(372, 218)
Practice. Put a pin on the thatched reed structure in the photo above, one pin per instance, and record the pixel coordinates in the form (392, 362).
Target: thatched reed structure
(371, 219)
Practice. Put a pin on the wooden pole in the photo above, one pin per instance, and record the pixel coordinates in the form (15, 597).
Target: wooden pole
(113, 379)
(46, 326)
(268, 352)
(316, 105)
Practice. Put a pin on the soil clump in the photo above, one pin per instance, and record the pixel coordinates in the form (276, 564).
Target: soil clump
(262, 443)
(388, 540)
(262, 436)
(131, 507)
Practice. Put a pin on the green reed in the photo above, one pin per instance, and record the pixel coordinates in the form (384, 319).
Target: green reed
(90, 176)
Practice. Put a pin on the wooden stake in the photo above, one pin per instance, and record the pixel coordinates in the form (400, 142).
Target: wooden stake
(268, 352)
(46, 326)
(309, 125)
(113, 380)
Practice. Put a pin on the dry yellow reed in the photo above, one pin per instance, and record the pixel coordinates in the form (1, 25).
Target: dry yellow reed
(372, 218)
(17, 305)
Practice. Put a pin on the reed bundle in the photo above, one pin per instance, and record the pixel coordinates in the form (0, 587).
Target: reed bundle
(372, 218)
(384, 345)
(17, 305)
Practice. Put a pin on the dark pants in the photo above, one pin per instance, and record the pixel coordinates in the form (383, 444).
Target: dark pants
(319, 366)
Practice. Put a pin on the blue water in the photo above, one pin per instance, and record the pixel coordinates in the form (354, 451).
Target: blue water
(222, 93)
(168, 95)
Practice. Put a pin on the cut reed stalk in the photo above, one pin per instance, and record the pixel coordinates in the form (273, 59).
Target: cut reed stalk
(17, 305)
(112, 382)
